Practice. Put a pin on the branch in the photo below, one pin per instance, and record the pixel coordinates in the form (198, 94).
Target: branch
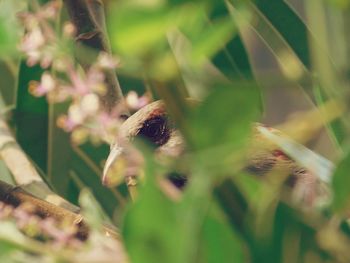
(15, 195)
(89, 19)
(24, 172)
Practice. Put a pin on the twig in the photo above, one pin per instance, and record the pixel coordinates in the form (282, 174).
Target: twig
(15, 195)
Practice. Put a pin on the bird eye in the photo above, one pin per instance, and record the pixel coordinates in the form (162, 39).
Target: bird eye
(156, 130)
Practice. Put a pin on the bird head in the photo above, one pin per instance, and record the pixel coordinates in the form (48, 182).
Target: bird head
(150, 123)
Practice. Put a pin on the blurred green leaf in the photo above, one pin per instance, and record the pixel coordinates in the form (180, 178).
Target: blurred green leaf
(335, 129)
(212, 39)
(219, 242)
(340, 3)
(290, 63)
(137, 30)
(233, 59)
(150, 227)
(289, 25)
(10, 30)
(59, 151)
(13, 238)
(84, 175)
(31, 117)
(340, 185)
(91, 210)
(226, 116)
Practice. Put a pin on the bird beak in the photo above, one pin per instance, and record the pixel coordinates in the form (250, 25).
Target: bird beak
(108, 177)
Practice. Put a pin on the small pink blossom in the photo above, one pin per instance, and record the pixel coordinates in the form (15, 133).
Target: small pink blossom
(41, 45)
(106, 61)
(90, 103)
(46, 85)
(49, 11)
(65, 123)
(134, 102)
(69, 30)
(75, 114)
(31, 44)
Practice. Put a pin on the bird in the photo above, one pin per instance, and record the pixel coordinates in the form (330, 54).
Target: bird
(152, 123)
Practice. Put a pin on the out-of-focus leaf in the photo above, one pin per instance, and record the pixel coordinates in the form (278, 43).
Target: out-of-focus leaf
(291, 65)
(219, 242)
(5, 174)
(137, 30)
(150, 227)
(249, 186)
(289, 25)
(232, 201)
(340, 183)
(111, 200)
(31, 117)
(225, 117)
(212, 39)
(233, 59)
(336, 128)
(92, 212)
(59, 151)
(197, 78)
(14, 238)
(8, 85)
(10, 30)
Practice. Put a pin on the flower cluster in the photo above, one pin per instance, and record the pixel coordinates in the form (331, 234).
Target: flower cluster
(39, 42)
(135, 102)
(64, 80)
(46, 229)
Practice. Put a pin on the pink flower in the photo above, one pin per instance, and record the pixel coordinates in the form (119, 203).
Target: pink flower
(106, 61)
(46, 85)
(134, 102)
(31, 44)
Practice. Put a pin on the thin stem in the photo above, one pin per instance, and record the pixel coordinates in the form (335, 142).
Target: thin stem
(88, 18)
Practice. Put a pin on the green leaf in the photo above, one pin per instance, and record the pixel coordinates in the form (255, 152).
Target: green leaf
(10, 30)
(340, 185)
(289, 25)
(91, 210)
(59, 151)
(219, 242)
(13, 238)
(85, 173)
(150, 227)
(289, 62)
(232, 59)
(31, 117)
(225, 117)
(136, 30)
(212, 39)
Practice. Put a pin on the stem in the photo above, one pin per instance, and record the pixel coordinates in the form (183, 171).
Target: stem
(88, 18)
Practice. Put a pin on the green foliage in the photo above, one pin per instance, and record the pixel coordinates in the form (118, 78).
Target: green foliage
(151, 226)
(9, 26)
(31, 112)
(225, 117)
(205, 50)
(220, 242)
(340, 181)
